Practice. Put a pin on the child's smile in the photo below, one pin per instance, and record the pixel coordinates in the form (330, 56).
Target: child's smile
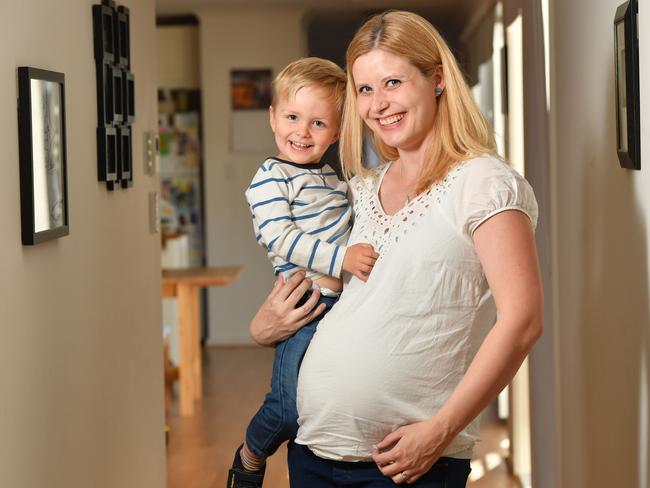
(305, 125)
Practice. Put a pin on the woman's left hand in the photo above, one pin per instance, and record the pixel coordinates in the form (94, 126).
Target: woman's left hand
(409, 451)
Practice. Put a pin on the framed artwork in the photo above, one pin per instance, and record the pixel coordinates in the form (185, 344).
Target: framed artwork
(42, 143)
(250, 89)
(107, 155)
(104, 29)
(626, 49)
(105, 103)
(115, 94)
(118, 99)
(128, 96)
(123, 40)
(124, 150)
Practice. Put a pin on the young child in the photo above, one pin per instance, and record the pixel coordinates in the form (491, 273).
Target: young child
(302, 217)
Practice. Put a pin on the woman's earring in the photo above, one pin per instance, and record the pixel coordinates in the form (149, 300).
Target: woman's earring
(439, 91)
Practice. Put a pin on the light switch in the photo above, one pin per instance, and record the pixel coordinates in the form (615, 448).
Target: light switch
(151, 151)
(154, 213)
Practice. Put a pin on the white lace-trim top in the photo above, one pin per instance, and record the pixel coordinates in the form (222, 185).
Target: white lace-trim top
(392, 350)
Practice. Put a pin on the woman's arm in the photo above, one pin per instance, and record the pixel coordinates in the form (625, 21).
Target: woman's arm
(278, 317)
(506, 248)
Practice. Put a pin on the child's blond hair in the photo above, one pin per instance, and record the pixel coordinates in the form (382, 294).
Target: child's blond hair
(314, 72)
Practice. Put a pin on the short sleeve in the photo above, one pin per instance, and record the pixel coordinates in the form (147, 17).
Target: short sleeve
(492, 187)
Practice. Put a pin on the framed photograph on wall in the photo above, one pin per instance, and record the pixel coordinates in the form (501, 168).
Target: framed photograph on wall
(115, 94)
(42, 139)
(250, 89)
(128, 97)
(107, 156)
(626, 48)
(122, 36)
(104, 32)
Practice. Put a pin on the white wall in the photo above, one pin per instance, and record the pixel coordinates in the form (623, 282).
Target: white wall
(601, 248)
(80, 338)
(237, 38)
(546, 452)
(533, 425)
(178, 56)
(641, 390)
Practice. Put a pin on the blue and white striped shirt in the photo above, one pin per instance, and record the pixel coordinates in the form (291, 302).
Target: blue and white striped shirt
(301, 216)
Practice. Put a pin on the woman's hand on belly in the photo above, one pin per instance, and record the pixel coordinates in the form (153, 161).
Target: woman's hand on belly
(409, 451)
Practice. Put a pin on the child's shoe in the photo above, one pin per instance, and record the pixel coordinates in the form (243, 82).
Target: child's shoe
(238, 477)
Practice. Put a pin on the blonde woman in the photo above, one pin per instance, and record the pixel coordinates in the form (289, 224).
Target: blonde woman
(395, 378)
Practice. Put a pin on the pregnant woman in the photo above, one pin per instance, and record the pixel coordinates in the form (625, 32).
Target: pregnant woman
(395, 378)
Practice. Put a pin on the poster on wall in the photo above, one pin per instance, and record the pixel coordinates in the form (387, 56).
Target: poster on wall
(250, 94)
(250, 89)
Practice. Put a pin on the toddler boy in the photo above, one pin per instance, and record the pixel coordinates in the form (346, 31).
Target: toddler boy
(302, 217)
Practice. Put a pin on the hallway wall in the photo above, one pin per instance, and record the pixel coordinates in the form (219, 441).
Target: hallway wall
(80, 334)
(601, 247)
(233, 38)
(533, 417)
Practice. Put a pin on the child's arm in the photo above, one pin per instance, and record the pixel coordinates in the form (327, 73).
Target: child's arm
(359, 260)
(268, 198)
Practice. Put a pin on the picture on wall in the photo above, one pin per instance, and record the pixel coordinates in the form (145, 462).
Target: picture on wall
(115, 94)
(250, 89)
(626, 49)
(42, 138)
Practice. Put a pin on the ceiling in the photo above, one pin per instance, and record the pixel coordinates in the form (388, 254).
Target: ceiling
(455, 15)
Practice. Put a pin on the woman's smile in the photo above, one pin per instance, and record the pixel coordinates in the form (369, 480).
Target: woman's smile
(391, 121)
(394, 99)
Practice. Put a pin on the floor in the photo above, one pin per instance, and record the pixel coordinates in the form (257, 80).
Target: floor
(200, 449)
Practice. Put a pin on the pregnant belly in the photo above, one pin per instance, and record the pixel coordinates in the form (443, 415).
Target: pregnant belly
(353, 392)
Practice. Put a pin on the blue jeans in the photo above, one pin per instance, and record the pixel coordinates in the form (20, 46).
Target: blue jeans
(277, 419)
(306, 470)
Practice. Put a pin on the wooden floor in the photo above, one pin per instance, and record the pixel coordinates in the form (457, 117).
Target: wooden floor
(200, 449)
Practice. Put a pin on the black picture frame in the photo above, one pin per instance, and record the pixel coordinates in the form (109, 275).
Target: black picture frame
(118, 96)
(105, 102)
(107, 154)
(42, 149)
(124, 152)
(128, 97)
(104, 32)
(122, 37)
(626, 52)
(115, 94)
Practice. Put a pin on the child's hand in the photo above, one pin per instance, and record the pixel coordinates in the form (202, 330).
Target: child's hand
(359, 260)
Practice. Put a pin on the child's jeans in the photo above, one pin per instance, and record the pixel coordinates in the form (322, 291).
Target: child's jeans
(277, 419)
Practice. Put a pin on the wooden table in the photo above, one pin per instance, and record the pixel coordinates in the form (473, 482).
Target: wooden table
(185, 284)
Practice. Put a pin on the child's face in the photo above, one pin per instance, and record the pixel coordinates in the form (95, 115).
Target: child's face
(305, 125)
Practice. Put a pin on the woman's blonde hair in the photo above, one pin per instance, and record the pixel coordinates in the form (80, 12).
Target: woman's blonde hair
(315, 72)
(461, 131)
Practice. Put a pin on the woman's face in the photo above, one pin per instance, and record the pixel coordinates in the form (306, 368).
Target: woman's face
(395, 100)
